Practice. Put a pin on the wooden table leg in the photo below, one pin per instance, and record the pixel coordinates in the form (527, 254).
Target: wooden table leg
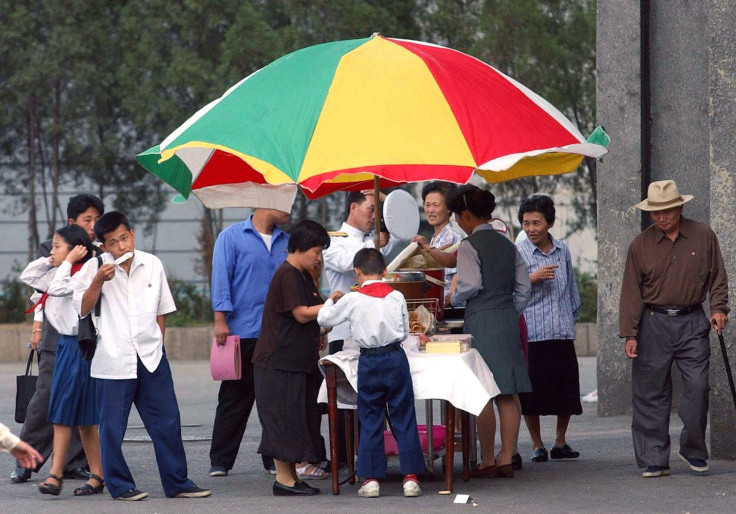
(449, 444)
(331, 382)
(350, 443)
(465, 430)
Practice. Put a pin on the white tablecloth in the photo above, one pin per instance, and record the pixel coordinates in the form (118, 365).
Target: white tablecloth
(462, 379)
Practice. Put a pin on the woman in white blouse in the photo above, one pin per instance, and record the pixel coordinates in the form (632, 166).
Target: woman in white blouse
(435, 195)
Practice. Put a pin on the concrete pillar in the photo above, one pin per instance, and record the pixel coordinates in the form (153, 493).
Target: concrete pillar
(678, 61)
(619, 99)
(667, 95)
(721, 31)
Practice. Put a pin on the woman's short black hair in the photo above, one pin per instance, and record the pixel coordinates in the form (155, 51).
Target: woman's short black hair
(75, 235)
(438, 186)
(109, 222)
(307, 234)
(369, 261)
(471, 198)
(542, 204)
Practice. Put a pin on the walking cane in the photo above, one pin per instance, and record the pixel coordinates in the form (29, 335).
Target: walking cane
(728, 365)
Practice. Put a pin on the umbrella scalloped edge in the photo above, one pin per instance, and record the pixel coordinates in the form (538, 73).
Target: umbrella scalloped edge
(248, 194)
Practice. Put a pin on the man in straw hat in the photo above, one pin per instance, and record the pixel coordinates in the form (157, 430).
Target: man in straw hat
(670, 268)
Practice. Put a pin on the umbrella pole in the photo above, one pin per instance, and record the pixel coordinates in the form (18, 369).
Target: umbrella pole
(728, 366)
(377, 213)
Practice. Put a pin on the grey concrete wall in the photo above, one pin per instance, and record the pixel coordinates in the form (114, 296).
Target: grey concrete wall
(194, 343)
(721, 30)
(679, 103)
(619, 186)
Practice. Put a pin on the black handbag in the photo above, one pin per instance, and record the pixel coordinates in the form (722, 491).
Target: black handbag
(26, 387)
(87, 332)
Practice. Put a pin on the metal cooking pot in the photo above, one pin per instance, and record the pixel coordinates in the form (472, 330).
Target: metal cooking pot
(405, 276)
(412, 284)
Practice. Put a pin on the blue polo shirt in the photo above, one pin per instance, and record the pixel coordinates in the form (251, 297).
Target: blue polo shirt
(242, 268)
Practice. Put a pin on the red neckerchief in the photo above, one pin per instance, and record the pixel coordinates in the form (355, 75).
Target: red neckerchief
(75, 267)
(376, 289)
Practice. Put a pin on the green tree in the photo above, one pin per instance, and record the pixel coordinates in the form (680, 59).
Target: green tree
(549, 46)
(452, 23)
(588, 288)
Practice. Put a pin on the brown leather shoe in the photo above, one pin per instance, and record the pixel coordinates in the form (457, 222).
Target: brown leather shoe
(487, 472)
(505, 471)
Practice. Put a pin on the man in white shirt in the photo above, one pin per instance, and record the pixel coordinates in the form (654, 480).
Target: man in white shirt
(354, 235)
(130, 360)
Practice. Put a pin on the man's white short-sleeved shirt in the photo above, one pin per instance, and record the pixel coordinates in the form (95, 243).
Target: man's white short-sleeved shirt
(127, 325)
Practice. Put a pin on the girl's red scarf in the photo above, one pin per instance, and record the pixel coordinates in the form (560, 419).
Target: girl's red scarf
(75, 267)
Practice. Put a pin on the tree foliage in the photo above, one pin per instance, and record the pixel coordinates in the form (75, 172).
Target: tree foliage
(553, 53)
(86, 85)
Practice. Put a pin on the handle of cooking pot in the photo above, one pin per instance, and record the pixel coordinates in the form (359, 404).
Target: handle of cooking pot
(434, 281)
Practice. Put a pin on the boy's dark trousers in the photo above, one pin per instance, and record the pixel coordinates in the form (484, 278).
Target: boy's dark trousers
(384, 380)
(154, 398)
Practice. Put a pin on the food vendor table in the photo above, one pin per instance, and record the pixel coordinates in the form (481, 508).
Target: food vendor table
(462, 379)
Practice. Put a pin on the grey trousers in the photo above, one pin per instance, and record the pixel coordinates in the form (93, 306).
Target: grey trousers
(37, 431)
(661, 340)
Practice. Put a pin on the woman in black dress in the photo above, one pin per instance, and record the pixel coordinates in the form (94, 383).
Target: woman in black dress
(286, 376)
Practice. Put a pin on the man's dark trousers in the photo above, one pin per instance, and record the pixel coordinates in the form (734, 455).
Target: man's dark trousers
(663, 339)
(234, 405)
(155, 400)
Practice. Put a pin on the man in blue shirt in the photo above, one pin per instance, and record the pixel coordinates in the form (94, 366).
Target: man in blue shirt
(245, 258)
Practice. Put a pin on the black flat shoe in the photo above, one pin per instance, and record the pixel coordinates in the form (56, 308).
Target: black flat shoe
(540, 455)
(20, 475)
(563, 453)
(303, 484)
(77, 474)
(88, 489)
(516, 462)
(280, 489)
(46, 487)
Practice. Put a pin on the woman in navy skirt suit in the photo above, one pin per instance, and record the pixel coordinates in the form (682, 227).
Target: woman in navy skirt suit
(73, 392)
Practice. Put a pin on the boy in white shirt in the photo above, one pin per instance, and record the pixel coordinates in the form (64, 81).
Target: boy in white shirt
(129, 359)
(379, 322)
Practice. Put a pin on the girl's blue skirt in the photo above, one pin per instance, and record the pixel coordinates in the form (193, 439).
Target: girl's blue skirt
(74, 399)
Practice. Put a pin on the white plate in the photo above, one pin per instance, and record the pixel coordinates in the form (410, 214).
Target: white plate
(401, 215)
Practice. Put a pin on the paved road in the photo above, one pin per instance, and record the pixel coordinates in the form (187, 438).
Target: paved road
(605, 479)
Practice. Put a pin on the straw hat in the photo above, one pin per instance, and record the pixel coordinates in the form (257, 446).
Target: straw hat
(663, 195)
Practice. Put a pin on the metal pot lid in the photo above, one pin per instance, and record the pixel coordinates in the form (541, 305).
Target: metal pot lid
(401, 215)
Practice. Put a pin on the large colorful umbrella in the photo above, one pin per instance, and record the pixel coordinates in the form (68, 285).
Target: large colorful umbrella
(334, 116)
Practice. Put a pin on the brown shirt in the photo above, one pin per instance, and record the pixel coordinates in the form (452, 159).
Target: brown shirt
(662, 272)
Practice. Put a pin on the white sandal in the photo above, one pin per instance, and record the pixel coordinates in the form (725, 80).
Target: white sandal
(315, 473)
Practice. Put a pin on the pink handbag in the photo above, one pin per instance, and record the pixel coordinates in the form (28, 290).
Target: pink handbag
(225, 363)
